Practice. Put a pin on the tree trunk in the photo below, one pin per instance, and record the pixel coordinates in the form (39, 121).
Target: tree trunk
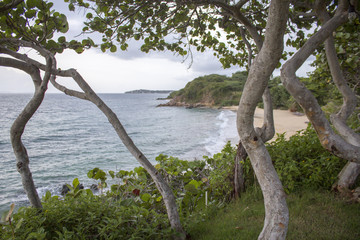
(267, 131)
(276, 211)
(330, 141)
(18, 127)
(161, 184)
(90, 95)
(347, 177)
(239, 181)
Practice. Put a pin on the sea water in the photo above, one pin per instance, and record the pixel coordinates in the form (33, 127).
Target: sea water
(67, 137)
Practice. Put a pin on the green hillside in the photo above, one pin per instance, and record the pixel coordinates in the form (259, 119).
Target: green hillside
(212, 90)
(219, 90)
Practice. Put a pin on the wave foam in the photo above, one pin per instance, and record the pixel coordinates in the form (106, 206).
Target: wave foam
(226, 131)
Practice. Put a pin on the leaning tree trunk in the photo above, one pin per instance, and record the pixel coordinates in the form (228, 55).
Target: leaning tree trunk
(267, 131)
(18, 127)
(161, 184)
(276, 211)
(90, 95)
(348, 175)
(329, 140)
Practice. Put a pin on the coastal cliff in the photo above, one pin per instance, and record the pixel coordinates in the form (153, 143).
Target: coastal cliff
(209, 91)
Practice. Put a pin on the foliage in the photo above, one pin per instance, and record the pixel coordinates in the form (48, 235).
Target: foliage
(132, 208)
(89, 217)
(302, 163)
(192, 25)
(212, 90)
(313, 215)
(347, 41)
(36, 22)
(279, 96)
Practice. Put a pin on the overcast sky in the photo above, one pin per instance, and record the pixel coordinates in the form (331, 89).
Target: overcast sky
(122, 71)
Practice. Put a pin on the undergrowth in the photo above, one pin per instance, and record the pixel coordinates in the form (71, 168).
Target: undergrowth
(133, 208)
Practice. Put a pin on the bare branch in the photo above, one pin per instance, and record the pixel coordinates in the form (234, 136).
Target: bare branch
(11, 5)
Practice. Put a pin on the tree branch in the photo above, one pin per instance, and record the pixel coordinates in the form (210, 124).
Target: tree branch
(11, 5)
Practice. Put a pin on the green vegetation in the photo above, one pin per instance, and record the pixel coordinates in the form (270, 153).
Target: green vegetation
(133, 208)
(313, 215)
(212, 90)
(220, 90)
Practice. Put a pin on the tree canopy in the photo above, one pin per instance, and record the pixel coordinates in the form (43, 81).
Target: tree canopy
(243, 33)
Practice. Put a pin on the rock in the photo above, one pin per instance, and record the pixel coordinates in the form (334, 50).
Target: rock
(65, 189)
(94, 187)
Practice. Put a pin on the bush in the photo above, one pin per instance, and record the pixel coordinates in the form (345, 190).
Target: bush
(133, 208)
(301, 162)
(88, 217)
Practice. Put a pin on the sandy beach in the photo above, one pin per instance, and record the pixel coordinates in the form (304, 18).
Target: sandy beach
(285, 121)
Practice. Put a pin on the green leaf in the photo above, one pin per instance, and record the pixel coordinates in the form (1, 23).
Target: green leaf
(113, 48)
(33, 3)
(112, 174)
(30, 13)
(47, 195)
(89, 15)
(61, 39)
(76, 182)
(71, 7)
(145, 197)
(90, 174)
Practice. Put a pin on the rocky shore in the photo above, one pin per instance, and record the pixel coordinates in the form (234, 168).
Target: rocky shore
(176, 103)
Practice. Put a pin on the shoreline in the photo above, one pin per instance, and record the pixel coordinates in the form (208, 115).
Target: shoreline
(284, 120)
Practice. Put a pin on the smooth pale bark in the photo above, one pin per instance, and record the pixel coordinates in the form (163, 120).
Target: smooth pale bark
(330, 141)
(276, 211)
(90, 95)
(348, 175)
(267, 131)
(161, 184)
(18, 127)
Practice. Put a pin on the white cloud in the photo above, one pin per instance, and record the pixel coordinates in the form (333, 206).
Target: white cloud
(107, 73)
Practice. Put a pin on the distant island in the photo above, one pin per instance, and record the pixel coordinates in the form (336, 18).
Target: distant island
(149, 91)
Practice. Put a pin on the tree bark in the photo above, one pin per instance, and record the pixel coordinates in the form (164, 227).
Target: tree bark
(90, 95)
(161, 184)
(239, 181)
(276, 211)
(330, 141)
(18, 127)
(267, 131)
(348, 175)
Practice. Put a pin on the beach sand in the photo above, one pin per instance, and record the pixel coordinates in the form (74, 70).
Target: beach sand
(285, 121)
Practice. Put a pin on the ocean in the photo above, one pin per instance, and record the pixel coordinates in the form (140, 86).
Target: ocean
(67, 137)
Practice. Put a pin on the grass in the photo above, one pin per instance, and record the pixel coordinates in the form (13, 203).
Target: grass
(313, 215)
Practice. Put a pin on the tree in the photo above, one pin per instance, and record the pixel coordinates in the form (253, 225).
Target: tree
(342, 55)
(32, 25)
(151, 21)
(346, 143)
(250, 28)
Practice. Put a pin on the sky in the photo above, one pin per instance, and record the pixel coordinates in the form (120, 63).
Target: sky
(122, 71)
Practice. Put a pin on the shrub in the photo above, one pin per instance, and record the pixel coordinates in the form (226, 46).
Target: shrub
(301, 162)
(133, 208)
